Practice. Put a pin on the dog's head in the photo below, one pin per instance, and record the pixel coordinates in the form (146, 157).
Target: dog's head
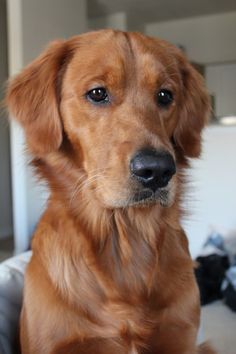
(130, 107)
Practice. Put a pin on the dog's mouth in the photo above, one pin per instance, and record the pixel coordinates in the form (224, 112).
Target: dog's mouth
(140, 197)
(146, 196)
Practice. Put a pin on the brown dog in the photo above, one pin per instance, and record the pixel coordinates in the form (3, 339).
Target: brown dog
(111, 119)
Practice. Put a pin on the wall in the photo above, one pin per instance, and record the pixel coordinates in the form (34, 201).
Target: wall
(43, 21)
(221, 82)
(116, 21)
(5, 178)
(211, 200)
(31, 25)
(207, 39)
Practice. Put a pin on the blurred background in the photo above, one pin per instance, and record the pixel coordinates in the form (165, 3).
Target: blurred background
(206, 32)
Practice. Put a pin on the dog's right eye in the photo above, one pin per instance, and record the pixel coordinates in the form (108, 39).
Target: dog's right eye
(98, 95)
(164, 98)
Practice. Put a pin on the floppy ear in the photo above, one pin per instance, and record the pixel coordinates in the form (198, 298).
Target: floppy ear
(33, 97)
(194, 111)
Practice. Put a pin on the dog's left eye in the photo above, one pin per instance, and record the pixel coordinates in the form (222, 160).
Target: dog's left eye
(98, 95)
(165, 98)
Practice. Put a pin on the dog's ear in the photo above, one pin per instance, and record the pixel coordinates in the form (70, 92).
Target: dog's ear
(33, 97)
(194, 110)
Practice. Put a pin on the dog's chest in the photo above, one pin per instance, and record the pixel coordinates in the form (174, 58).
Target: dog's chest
(134, 327)
(133, 350)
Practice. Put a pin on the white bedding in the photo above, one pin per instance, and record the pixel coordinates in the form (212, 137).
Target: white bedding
(11, 286)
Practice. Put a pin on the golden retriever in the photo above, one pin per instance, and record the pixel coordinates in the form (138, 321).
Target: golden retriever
(111, 119)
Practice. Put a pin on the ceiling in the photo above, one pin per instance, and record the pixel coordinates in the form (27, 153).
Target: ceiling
(146, 11)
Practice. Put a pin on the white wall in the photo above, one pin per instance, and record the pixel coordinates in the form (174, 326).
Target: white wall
(46, 20)
(207, 39)
(116, 21)
(211, 199)
(221, 82)
(31, 25)
(5, 178)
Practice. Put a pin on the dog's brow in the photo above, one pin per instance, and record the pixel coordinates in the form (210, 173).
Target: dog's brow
(129, 42)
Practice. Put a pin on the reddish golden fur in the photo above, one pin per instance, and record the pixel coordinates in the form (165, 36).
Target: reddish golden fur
(106, 276)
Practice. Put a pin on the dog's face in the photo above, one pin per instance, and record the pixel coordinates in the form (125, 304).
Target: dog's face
(131, 107)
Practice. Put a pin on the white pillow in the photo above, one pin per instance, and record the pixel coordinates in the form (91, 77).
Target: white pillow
(11, 288)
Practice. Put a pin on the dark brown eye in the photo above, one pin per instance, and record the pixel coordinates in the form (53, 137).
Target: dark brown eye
(98, 95)
(165, 98)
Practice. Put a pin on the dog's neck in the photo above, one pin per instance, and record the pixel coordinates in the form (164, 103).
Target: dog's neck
(128, 252)
(125, 250)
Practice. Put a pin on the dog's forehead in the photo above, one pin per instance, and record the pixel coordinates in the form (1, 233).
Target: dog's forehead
(105, 52)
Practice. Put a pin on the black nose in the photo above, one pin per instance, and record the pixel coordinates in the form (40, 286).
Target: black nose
(152, 168)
